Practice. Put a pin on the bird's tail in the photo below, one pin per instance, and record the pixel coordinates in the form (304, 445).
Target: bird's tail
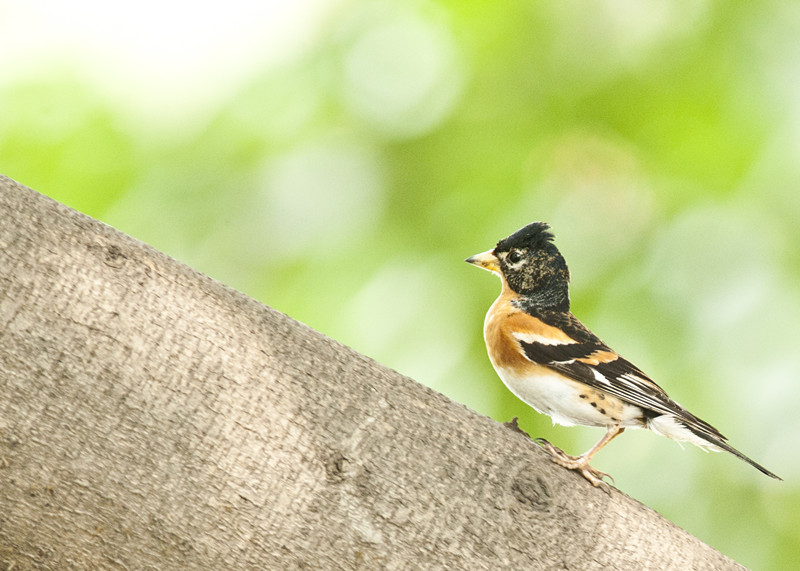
(728, 448)
(689, 428)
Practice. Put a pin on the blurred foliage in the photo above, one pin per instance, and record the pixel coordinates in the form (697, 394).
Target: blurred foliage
(345, 186)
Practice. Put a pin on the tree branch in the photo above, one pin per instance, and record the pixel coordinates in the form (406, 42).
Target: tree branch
(151, 417)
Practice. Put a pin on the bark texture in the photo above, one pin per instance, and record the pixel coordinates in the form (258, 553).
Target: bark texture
(152, 418)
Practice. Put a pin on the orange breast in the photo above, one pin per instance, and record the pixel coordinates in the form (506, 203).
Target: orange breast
(504, 350)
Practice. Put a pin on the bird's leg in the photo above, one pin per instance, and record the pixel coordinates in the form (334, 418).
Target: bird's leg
(581, 463)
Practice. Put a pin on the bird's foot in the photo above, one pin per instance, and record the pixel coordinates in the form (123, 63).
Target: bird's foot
(577, 463)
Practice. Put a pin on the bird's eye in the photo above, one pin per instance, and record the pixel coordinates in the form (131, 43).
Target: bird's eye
(514, 256)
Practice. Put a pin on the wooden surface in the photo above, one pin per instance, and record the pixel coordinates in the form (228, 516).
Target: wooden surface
(152, 418)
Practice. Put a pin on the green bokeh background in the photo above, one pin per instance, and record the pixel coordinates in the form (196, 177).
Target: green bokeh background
(345, 185)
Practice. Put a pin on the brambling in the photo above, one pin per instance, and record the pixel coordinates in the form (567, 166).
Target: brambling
(552, 362)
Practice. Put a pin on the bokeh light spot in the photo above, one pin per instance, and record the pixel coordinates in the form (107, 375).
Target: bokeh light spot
(401, 73)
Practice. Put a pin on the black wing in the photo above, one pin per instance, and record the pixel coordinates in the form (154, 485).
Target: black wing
(590, 361)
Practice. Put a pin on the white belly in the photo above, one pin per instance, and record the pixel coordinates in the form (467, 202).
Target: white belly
(560, 398)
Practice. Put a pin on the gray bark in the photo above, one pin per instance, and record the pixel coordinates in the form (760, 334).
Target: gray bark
(152, 418)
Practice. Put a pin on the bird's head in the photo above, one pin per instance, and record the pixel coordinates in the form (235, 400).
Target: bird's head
(531, 265)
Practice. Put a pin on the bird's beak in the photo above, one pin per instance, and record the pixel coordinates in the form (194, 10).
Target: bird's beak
(486, 260)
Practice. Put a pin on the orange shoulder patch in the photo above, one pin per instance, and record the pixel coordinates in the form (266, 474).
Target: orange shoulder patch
(532, 330)
(598, 357)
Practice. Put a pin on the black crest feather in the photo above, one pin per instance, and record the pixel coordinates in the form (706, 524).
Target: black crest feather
(533, 236)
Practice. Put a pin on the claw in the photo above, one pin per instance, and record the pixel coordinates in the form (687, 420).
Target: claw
(578, 463)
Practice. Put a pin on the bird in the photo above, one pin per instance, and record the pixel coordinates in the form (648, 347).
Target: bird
(554, 363)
